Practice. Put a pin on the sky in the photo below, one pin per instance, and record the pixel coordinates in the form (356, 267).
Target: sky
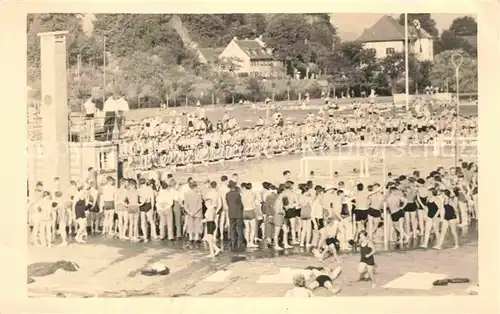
(349, 25)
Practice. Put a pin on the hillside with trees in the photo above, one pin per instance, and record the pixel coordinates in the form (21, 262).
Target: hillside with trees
(152, 58)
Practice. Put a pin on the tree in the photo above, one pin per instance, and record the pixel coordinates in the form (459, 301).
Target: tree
(244, 31)
(453, 38)
(355, 54)
(191, 63)
(49, 22)
(443, 72)
(217, 30)
(323, 33)
(223, 84)
(128, 33)
(145, 76)
(426, 22)
(422, 76)
(464, 26)
(322, 38)
(450, 41)
(76, 44)
(255, 87)
(287, 35)
(393, 67)
(257, 21)
(352, 64)
(208, 30)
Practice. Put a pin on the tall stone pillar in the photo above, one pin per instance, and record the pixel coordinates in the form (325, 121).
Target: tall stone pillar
(54, 108)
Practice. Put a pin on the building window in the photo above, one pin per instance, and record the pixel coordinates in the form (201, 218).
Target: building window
(103, 160)
(389, 51)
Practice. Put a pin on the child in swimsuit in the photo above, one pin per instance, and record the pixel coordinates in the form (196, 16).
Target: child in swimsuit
(210, 215)
(80, 207)
(42, 221)
(367, 262)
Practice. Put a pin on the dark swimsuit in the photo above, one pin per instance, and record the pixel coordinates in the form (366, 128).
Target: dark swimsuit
(289, 212)
(334, 241)
(145, 207)
(365, 250)
(361, 214)
(80, 209)
(375, 213)
(322, 279)
(433, 209)
(320, 223)
(410, 207)
(396, 216)
(449, 212)
(344, 212)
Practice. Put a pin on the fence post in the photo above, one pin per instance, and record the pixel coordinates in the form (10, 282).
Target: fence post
(457, 60)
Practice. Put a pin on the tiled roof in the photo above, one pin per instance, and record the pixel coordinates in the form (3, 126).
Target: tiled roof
(210, 54)
(388, 29)
(254, 50)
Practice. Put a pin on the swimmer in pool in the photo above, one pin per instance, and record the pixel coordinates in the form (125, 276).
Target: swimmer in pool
(324, 278)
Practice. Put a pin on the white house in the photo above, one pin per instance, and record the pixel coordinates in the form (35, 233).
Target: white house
(387, 36)
(255, 57)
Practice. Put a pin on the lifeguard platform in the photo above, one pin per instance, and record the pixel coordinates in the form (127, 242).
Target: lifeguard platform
(51, 153)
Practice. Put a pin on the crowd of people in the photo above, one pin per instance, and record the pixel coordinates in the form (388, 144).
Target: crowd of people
(326, 219)
(148, 202)
(154, 143)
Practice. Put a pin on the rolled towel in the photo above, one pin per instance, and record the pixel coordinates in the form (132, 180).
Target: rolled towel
(459, 280)
(158, 267)
(440, 282)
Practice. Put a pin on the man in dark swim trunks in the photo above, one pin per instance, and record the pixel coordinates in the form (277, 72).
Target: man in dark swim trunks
(328, 241)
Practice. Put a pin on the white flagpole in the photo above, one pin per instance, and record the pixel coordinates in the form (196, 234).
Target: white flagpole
(386, 214)
(407, 88)
(104, 71)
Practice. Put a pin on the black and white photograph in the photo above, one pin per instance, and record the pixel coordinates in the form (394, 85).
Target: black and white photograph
(256, 155)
